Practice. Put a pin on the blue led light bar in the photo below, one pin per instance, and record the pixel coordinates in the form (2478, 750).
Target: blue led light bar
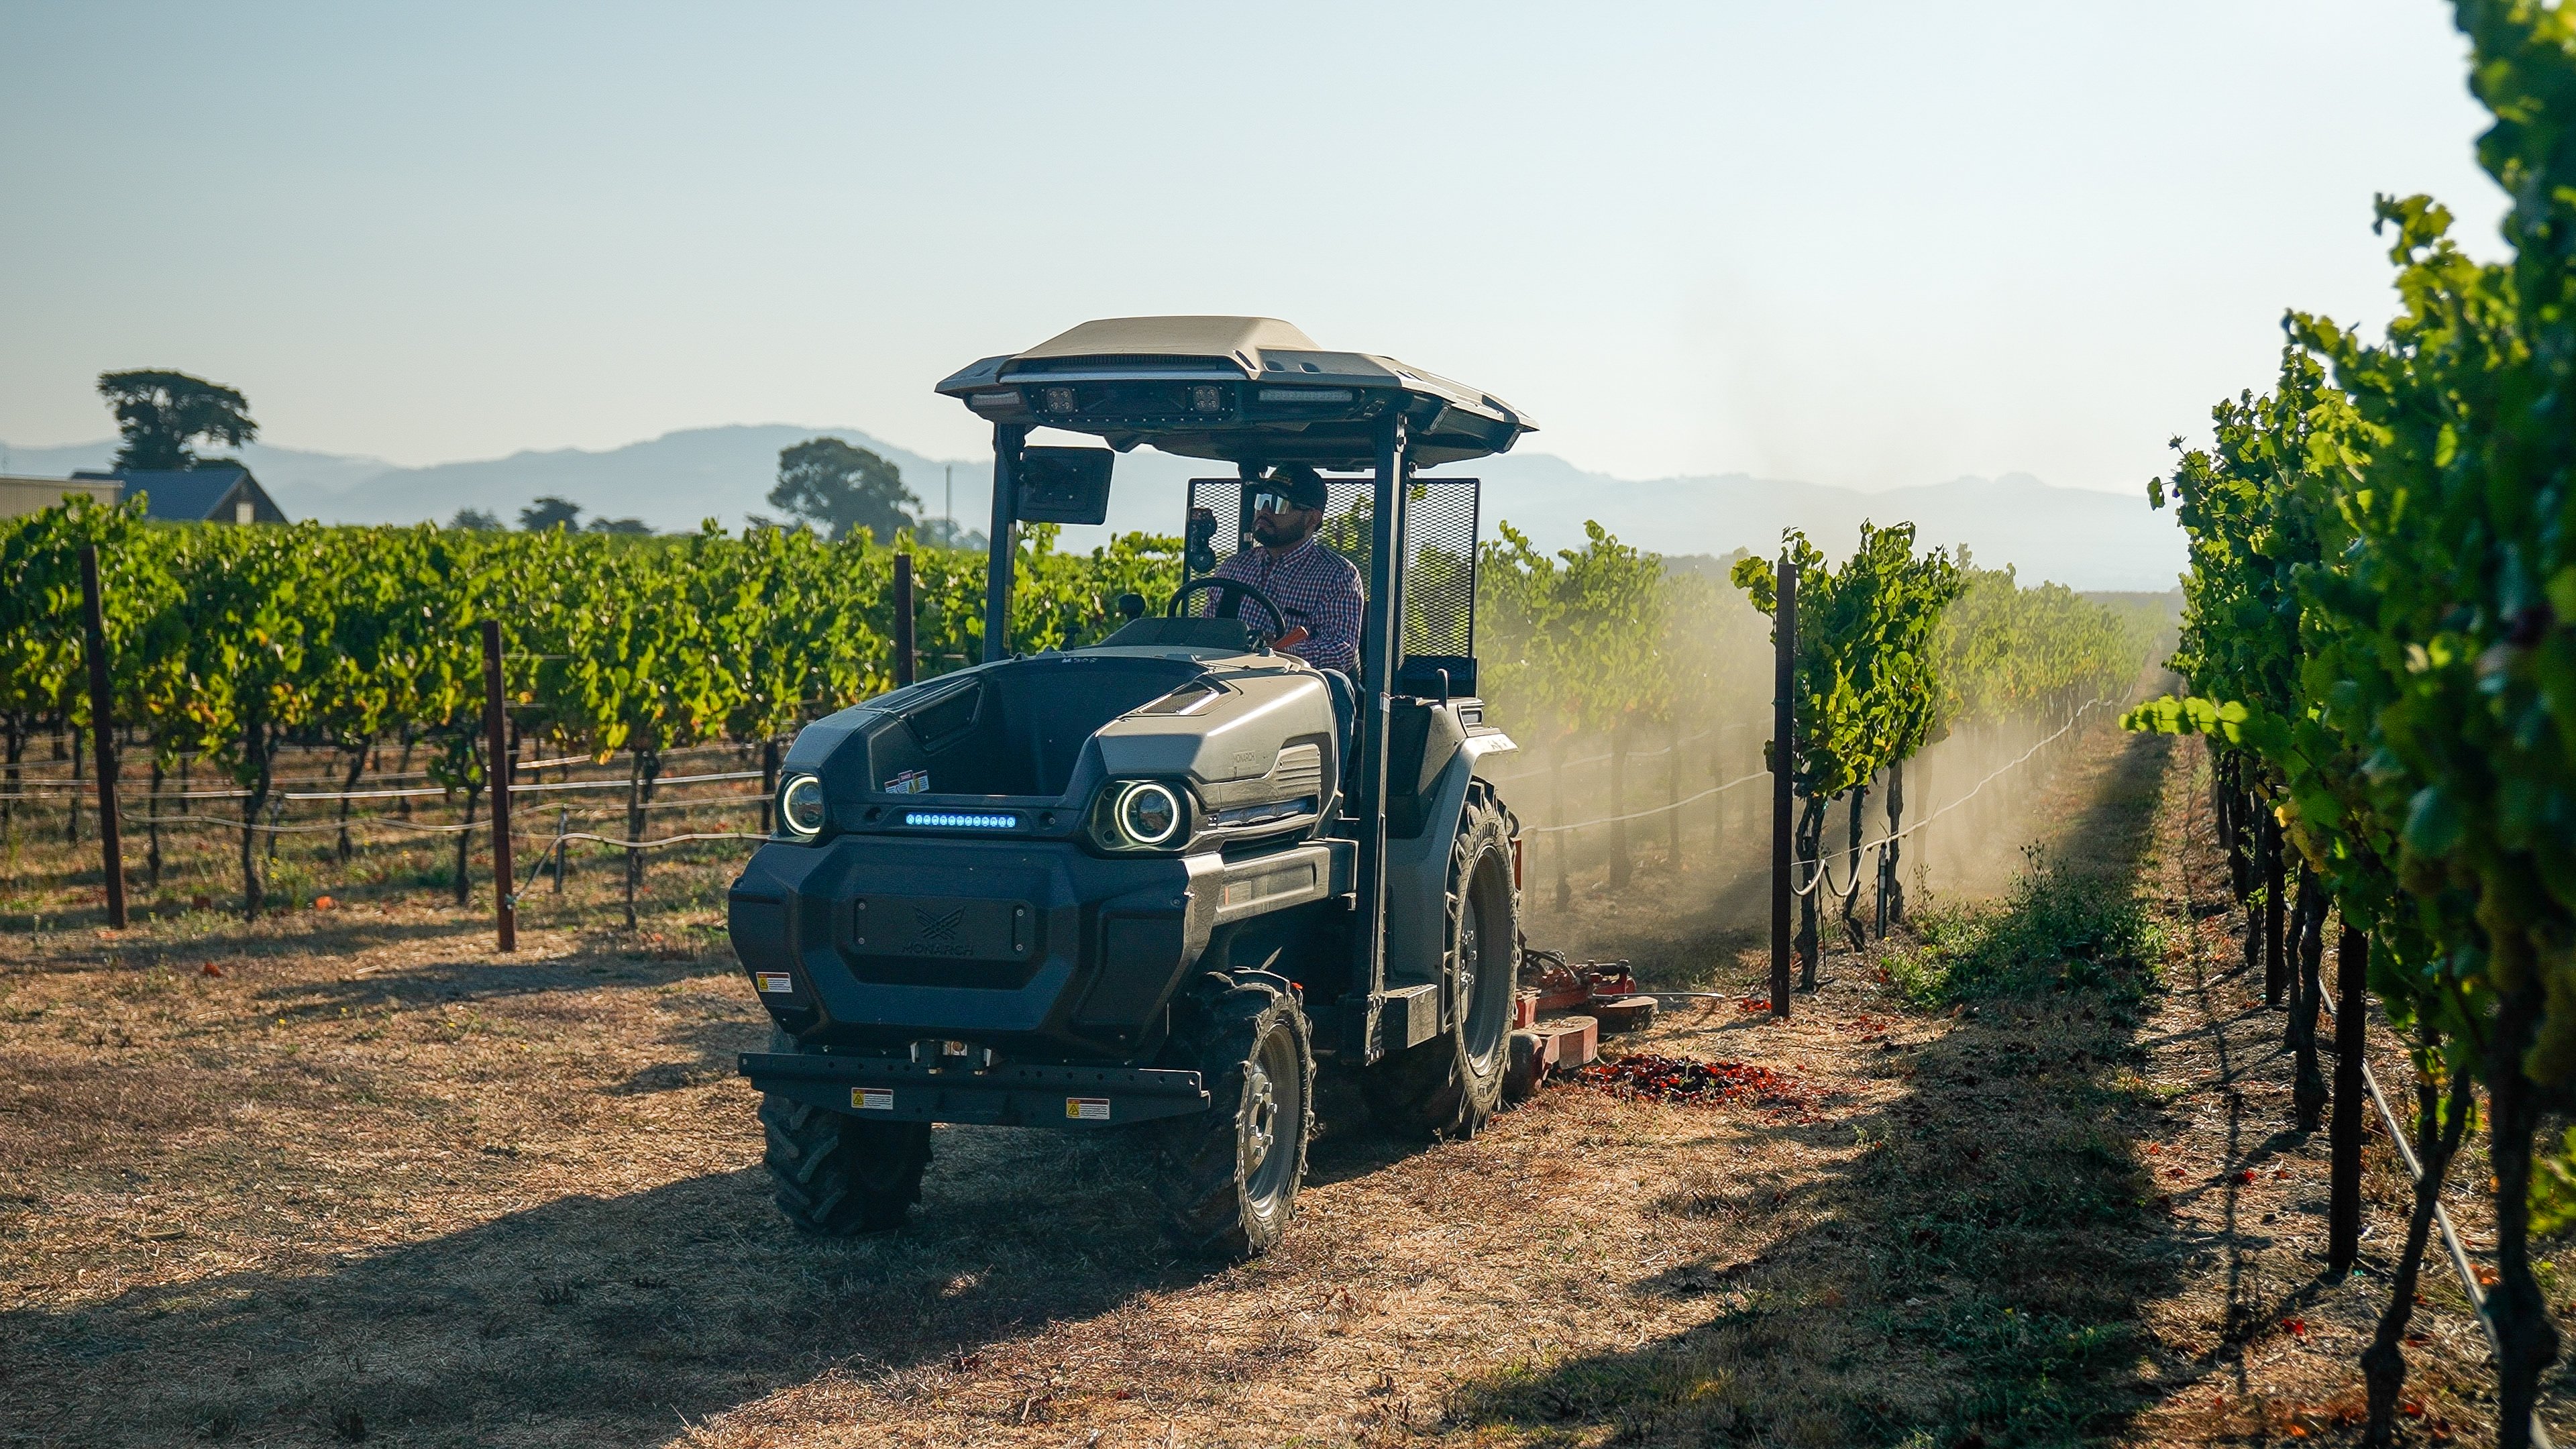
(962, 819)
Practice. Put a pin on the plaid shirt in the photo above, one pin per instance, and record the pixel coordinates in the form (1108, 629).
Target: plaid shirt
(1320, 592)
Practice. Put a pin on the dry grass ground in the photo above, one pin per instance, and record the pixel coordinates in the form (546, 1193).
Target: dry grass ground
(364, 1178)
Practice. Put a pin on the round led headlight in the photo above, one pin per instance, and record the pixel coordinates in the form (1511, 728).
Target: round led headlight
(1148, 813)
(800, 805)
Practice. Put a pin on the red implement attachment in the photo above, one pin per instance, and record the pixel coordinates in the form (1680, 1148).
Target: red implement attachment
(1548, 1039)
(1625, 1013)
(1564, 985)
(1558, 1044)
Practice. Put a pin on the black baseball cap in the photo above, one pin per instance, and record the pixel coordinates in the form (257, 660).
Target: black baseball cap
(1299, 484)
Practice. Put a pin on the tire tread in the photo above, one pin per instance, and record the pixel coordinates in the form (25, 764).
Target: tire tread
(1425, 1090)
(1218, 1028)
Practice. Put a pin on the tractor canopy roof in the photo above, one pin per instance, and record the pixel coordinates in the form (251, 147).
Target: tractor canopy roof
(1241, 389)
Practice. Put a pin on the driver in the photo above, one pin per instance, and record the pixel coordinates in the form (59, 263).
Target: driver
(1316, 587)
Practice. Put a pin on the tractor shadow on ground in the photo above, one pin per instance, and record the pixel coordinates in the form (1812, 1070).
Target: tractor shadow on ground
(599, 1319)
(1973, 1273)
(714, 1048)
(484, 978)
(464, 942)
(86, 946)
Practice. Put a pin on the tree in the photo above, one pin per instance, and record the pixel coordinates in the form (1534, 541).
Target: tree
(474, 520)
(618, 525)
(550, 512)
(837, 488)
(160, 413)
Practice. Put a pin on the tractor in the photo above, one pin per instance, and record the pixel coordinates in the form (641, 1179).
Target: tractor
(1155, 881)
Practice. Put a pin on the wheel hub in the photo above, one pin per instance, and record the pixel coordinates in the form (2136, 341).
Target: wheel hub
(1261, 1116)
(1467, 956)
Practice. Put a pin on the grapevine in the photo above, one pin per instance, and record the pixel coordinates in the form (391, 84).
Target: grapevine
(2380, 637)
(1866, 682)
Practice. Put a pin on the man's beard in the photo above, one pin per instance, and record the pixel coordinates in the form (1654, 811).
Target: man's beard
(1275, 532)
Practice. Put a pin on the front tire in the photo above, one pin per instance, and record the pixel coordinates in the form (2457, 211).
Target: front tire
(1450, 1085)
(1228, 1177)
(835, 1174)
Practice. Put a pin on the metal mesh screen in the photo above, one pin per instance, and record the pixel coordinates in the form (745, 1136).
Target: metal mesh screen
(1440, 528)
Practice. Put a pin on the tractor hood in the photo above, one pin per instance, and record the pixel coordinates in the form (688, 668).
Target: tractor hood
(1021, 749)
(1240, 389)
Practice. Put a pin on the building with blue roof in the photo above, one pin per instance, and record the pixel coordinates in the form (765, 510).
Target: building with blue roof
(215, 493)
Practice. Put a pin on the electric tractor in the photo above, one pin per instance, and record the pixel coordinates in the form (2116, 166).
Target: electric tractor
(1154, 882)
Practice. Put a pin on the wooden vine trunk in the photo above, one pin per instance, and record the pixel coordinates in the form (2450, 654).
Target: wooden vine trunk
(2308, 1089)
(1564, 851)
(2343, 1193)
(1809, 842)
(71, 817)
(639, 790)
(1618, 807)
(2527, 1342)
(1673, 796)
(2383, 1364)
(1891, 890)
(465, 842)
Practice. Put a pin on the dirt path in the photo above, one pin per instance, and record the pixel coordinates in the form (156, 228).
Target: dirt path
(2258, 1345)
(391, 1187)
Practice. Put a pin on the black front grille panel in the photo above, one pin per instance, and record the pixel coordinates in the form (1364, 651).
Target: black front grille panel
(941, 940)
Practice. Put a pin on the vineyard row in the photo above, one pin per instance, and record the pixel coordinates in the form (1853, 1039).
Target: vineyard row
(2380, 642)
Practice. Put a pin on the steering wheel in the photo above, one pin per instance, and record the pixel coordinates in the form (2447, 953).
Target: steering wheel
(1232, 593)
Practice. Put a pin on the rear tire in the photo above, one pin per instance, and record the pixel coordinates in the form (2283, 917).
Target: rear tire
(1228, 1177)
(1448, 1086)
(836, 1174)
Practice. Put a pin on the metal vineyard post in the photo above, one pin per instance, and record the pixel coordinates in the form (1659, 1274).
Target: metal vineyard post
(505, 881)
(1784, 635)
(904, 649)
(102, 729)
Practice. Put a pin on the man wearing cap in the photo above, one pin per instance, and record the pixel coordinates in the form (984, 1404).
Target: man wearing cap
(1315, 587)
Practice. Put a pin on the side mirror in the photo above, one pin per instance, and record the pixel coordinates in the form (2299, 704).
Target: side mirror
(1064, 485)
(1200, 557)
(1131, 606)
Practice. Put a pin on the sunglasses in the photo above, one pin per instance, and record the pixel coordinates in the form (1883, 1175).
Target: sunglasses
(1272, 502)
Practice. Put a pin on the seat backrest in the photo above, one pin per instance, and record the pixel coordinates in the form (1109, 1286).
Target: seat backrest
(1421, 676)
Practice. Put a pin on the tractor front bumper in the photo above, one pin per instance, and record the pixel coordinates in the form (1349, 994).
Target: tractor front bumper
(1033, 948)
(1008, 1095)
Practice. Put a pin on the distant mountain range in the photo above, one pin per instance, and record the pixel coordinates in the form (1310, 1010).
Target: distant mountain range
(2080, 537)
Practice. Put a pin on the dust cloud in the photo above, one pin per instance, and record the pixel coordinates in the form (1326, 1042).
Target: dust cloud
(1694, 886)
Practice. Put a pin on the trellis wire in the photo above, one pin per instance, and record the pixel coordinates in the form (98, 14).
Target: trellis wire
(2450, 1238)
(1656, 810)
(1823, 875)
(418, 827)
(412, 792)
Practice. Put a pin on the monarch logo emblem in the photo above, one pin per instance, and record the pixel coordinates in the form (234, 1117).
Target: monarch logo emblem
(935, 933)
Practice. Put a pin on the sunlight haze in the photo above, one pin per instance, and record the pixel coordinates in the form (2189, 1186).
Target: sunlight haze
(1858, 245)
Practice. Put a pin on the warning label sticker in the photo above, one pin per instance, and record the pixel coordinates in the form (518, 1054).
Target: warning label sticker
(1087, 1109)
(776, 981)
(872, 1099)
(910, 782)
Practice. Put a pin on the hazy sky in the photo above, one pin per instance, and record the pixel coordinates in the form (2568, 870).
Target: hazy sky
(1864, 244)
